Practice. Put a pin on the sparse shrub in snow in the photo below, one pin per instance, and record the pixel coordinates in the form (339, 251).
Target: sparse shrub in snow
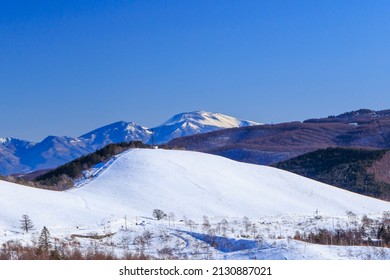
(246, 223)
(139, 243)
(254, 230)
(165, 253)
(386, 217)
(147, 236)
(191, 224)
(206, 224)
(224, 226)
(366, 222)
(125, 242)
(353, 218)
(164, 236)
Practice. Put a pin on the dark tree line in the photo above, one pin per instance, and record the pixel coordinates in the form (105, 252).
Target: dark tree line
(346, 168)
(62, 177)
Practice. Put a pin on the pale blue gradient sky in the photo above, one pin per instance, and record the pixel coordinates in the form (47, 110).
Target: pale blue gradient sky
(67, 67)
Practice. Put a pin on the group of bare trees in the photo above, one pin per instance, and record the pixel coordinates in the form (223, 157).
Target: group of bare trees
(363, 232)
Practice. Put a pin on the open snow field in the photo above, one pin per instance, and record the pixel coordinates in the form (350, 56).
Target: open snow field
(120, 199)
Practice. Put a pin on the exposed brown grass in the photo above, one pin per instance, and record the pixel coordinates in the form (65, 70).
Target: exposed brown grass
(14, 250)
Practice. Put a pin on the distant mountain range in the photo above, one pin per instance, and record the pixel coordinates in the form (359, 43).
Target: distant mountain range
(20, 156)
(213, 133)
(268, 144)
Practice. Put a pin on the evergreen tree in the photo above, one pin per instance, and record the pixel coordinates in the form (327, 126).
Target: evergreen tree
(44, 242)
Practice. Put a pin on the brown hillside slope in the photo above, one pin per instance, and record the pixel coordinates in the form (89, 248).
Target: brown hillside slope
(267, 144)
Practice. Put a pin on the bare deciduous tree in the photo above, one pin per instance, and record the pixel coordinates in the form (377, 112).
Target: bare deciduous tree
(206, 224)
(159, 214)
(26, 224)
(247, 224)
(191, 224)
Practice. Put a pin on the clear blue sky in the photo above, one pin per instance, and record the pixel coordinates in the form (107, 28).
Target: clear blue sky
(70, 66)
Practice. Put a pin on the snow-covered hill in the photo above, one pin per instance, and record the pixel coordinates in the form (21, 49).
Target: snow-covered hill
(190, 184)
(185, 183)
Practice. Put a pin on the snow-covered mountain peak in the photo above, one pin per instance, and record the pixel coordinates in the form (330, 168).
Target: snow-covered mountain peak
(3, 140)
(207, 119)
(190, 123)
(9, 140)
(116, 132)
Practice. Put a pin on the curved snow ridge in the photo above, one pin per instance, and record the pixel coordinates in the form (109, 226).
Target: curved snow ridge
(96, 171)
(196, 184)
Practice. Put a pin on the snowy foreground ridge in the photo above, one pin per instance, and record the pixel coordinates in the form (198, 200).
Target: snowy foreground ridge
(185, 183)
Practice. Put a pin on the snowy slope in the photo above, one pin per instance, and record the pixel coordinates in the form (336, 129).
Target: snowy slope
(185, 183)
(182, 182)
(191, 123)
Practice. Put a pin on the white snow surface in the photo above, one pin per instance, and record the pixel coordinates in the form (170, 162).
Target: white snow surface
(185, 183)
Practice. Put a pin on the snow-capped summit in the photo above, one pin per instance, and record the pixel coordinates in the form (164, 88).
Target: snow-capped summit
(208, 119)
(8, 141)
(116, 132)
(190, 123)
